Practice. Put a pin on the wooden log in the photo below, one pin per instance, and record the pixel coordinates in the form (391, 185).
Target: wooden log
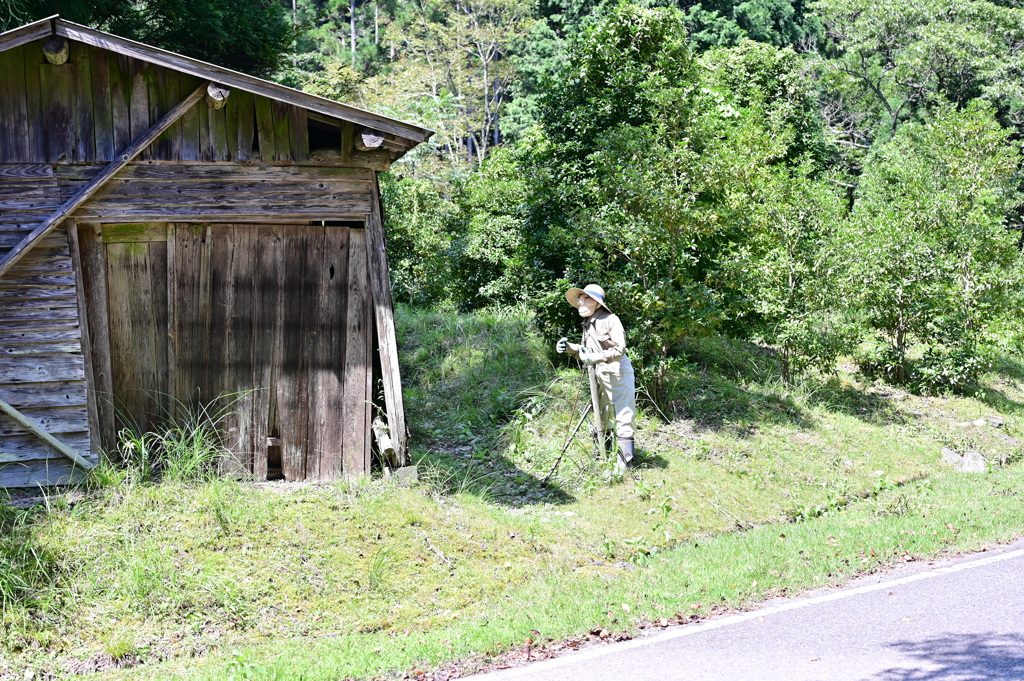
(39, 431)
(367, 140)
(384, 319)
(216, 96)
(97, 182)
(56, 50)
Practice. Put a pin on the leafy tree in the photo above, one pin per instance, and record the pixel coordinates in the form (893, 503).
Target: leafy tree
(891, 62)
(928, 252)
(726, 23)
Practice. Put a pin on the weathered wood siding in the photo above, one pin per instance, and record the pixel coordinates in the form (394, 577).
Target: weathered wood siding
(206, 192)
(92, 107)
(41, 364)
(275, 320)
(198, 270)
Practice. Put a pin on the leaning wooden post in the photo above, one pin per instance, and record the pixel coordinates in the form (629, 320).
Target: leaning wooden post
(34, 427)
(86, 192)
(383, 304)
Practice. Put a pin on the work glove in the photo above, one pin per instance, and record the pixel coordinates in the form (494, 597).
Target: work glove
(587, 357)
(561, 345)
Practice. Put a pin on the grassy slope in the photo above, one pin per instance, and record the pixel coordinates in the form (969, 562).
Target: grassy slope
(747, 490)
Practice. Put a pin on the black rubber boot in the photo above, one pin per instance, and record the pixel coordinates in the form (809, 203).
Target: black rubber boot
(609, 441)
(625, 445)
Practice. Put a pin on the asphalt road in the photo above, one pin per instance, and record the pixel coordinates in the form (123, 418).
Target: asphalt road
(953, 620)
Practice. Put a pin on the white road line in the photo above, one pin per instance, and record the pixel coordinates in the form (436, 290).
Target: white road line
(692, 630)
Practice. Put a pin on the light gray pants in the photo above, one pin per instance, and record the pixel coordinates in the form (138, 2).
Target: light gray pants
(617, 396)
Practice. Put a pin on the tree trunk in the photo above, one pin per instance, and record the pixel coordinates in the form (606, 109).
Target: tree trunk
(352, 28)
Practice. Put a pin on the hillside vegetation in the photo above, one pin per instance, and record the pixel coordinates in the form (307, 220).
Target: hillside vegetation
(746, 488)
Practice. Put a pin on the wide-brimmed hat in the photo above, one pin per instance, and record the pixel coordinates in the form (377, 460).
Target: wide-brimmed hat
(592, 290)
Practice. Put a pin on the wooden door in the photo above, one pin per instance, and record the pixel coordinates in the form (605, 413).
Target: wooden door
(275, 321)
(266, 325)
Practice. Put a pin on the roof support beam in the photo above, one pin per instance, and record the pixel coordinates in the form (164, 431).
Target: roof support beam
(86, 192)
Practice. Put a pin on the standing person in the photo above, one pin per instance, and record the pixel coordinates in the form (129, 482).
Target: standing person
(604, 346)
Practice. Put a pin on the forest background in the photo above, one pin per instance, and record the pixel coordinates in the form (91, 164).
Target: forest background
(830, 178)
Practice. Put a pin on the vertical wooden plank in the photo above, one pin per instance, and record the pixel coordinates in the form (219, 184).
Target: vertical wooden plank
(74, 247)
(85, 144)
(231, 127)
(265, 128)
(8, 152)
(120, 101)
(138, 323)
(16, 105)
(93, 290)
(218, 132)
(267, 278)
(282, 132)
(231, 318)
(172, 137)
(246, 124)
(292, 392)
(57, 85)
(357, 356)
(385, 323)
(188, 307)
(161, 148)
(326, 356)
(205, 148)
(33, 53)
(298, 126)
(348, 136)
(173, 307)
(138, 72)
(190, 147)
(103, 123)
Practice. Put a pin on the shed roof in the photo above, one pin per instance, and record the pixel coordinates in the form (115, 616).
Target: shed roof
(414, 134)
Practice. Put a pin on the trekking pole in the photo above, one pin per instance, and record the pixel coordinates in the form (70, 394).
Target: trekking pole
(596, 402)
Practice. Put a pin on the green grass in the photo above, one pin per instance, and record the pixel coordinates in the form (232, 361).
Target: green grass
(746, 489)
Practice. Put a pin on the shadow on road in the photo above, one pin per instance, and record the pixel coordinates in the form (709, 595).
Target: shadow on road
(969, 657)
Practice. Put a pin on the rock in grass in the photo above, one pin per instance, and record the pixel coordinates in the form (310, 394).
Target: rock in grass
(973, 462)
(950, 457)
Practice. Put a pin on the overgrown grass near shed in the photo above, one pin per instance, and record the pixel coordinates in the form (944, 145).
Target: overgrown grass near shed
(746, 488)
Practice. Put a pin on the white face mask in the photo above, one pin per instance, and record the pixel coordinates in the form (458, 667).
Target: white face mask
(587, 306)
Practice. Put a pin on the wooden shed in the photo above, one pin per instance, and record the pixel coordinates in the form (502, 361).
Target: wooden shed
(171, 233)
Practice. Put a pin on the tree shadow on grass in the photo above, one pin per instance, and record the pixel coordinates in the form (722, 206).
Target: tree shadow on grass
(714, 403)
(966, 657)
(877, 408)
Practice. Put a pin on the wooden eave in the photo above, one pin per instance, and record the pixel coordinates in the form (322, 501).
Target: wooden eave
(400, 130)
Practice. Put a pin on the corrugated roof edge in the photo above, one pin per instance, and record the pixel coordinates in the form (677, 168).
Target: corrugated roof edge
(218, 74)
